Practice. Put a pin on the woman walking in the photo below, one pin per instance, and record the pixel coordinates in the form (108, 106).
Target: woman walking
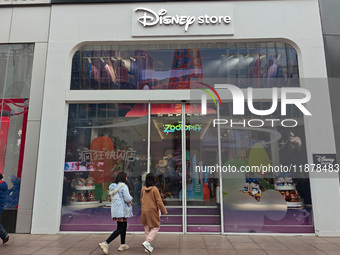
(151, 203)
(121, 209)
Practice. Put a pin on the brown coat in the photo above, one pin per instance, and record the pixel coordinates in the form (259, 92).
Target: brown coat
(150, 201)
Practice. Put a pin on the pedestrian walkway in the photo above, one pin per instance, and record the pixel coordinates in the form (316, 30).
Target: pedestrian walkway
(172, 244)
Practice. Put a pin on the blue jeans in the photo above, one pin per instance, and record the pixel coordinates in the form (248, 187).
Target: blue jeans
(3, 232)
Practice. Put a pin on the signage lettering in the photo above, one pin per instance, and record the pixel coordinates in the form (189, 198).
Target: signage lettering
(152, 18)
(173, 128)
(90, 155)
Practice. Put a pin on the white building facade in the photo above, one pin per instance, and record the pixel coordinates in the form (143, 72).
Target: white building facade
(114, 84)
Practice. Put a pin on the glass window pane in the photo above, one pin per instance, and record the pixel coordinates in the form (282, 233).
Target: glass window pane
(105, 140)
(16, 62)
(270, 201)
(183, 66)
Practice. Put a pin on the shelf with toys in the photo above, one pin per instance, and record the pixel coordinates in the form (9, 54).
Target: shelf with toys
(286, 186)
(83, 194)
(85, 188)
(252, 188)
(283, 184)
(106, 198)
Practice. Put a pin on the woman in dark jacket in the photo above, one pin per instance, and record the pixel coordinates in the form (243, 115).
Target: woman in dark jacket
(3, 194)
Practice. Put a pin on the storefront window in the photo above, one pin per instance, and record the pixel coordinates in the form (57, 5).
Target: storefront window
(102, 140)
(269, 194)
(184, 144)
(164, 66)
(15, 81)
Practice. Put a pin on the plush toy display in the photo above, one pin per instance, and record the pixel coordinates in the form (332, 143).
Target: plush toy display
(293, 196)
(90, 196)
(280, 181)
(81, 197)
(258, 197)
(252, 188)
(283, 179)
(108, 198)
(255, 188)
(164, 195)
(73, 197)
(246, 187)
(161, 167)
(289, 181)
(90, 181)
(81, 182)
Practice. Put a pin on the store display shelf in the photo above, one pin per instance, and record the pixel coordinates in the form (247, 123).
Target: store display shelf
(285, 187)
(106, 203)
(82, 170)
(84, 203)
(85, 188)
(295, 204)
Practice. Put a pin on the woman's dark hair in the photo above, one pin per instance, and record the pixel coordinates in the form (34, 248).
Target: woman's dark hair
(1, 176)
(121, 177)
(150, 180)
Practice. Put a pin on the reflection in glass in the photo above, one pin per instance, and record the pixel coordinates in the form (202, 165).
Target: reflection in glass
(16, 61)
(163, 66)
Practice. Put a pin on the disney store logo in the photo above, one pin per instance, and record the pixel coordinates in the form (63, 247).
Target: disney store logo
(151, 18)
(324, 160)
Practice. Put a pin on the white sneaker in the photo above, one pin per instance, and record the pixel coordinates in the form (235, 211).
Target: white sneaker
(104, 247)
(147, 246)
(146, 251)
(123, 247)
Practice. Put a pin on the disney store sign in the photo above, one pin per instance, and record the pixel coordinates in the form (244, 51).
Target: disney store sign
(186, 21)
(152, 18)
(324, 159)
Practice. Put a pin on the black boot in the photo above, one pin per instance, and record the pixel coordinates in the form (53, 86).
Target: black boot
(5, 240)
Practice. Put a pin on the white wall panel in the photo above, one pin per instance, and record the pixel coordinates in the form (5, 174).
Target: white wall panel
(5, 21)
(30, 24)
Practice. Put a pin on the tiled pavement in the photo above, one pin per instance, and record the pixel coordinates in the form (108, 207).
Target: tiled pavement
(169, 244)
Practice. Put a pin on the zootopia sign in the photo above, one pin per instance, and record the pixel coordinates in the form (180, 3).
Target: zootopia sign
(172, 128)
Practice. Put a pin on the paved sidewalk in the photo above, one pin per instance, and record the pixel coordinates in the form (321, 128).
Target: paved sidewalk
(172, 244)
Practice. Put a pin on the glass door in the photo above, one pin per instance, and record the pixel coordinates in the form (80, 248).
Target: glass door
(202, 182)
(189, 191)
(166, 161)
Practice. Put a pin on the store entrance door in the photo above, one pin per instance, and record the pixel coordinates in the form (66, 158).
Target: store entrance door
(178, 155)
